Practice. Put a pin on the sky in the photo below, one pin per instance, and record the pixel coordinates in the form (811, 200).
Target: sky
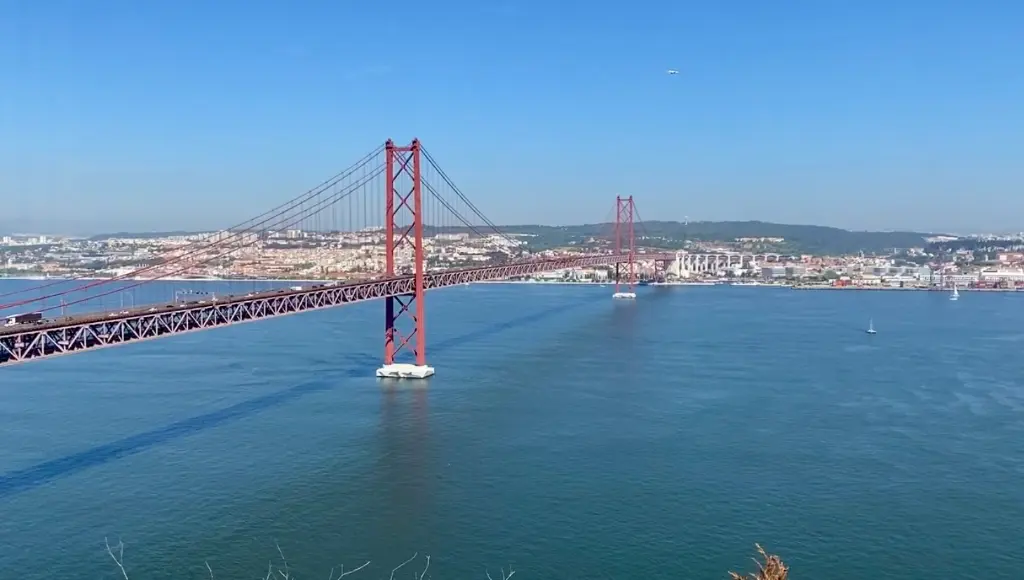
(192, 114)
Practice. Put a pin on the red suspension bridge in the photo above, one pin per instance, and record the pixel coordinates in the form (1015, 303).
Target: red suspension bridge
(396, 197)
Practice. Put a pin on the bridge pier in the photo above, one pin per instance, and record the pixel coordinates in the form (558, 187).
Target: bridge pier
(403, 169)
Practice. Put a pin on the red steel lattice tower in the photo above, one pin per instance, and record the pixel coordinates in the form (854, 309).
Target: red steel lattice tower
(624, 211)
(403, 227)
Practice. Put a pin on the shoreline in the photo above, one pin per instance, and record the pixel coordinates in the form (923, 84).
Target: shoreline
(55, 280)
(171, 279)
(539, 282)
(905, 289)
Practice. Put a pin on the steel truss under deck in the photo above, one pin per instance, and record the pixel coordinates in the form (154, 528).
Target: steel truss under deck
(80, 333)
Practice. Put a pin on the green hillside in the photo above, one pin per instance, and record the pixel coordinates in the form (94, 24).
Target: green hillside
(799, 239)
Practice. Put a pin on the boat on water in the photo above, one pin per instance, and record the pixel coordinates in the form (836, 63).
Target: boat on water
(955, 295)
(871, 327)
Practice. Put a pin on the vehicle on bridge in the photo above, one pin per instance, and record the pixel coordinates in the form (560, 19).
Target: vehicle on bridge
(26, 318)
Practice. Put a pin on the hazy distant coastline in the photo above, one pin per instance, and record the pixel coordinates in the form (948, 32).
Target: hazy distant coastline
(798, 238)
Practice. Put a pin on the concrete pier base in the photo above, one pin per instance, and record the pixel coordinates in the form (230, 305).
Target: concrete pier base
(404, 371)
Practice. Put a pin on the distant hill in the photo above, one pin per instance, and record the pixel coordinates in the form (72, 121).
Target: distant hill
(142, 235)
(805, 239)
(799, 239)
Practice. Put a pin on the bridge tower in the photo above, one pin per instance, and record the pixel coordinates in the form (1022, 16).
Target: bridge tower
(403, 227)
(624, 212)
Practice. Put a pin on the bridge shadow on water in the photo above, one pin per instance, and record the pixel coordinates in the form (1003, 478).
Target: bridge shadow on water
(363, 366)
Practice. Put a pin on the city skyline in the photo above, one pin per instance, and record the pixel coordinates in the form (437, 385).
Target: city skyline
(865, 117)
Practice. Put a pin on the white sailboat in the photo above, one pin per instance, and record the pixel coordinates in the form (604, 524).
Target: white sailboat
(871, 326)
(955, 295)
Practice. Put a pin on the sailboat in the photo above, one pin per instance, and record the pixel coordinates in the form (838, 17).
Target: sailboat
(955, 295)
(871, 327)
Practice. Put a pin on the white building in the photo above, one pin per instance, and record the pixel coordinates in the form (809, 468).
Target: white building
(959, 279)
(1010, 276)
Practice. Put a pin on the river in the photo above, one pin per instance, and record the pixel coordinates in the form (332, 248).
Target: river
(564, 434)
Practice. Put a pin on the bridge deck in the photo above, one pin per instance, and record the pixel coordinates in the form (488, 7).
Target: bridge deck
(72, 334)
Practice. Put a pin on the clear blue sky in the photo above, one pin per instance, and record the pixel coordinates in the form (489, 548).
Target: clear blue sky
(159, 114)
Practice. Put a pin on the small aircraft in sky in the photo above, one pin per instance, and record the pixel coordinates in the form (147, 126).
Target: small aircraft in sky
(672, 71)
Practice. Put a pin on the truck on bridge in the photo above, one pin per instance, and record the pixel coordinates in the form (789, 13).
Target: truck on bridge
(26, 318)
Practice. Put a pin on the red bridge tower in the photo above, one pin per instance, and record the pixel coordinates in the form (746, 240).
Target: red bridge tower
(403, 230)
(624, 212)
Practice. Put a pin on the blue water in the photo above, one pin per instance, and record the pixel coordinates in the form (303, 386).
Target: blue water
(566, 434)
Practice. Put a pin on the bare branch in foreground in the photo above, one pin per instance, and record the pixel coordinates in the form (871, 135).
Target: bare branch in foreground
(117, 554)
(403, 564)
(344, 573)
(119, 559)
(769, 567)
(772, 568)
(504, 576)
(285, 574)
